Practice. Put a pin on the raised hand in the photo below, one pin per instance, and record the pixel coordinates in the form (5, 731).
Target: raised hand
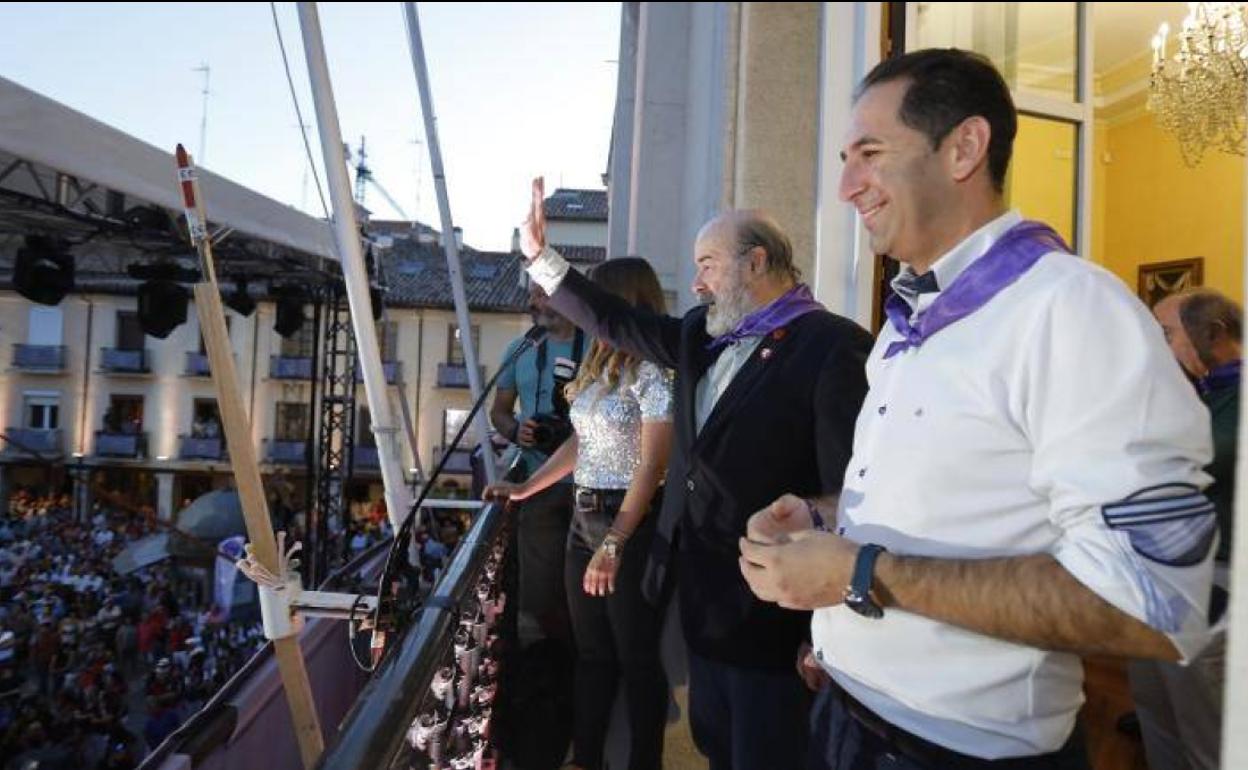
(533, 231)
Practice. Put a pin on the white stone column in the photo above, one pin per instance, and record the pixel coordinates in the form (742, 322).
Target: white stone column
(620, 164)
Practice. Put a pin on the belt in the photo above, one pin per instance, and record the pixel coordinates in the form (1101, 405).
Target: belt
(589, 499)
(935, 756)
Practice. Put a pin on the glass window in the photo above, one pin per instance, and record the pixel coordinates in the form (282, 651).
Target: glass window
(292, 421)
(129, 332)
(454, 350)
(364, 429)
(299, 344)
(45, 326)
(452, 421)
(43, 411)
(1035, 45)
(387, 339)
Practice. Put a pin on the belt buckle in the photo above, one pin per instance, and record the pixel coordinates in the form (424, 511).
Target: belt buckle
(586, 499)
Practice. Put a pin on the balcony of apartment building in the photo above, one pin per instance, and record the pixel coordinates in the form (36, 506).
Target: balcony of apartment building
(48, 359)
(392, 369)
(451, 375)
(192, 447)
(281, 451)
(37, 443)
(120, 445)
(284, 367)
(365, 458)
(459, 462)
(125, 361)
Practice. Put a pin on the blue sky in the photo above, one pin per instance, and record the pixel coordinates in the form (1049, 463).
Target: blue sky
(519, 89)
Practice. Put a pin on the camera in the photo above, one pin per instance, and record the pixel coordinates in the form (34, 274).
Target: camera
(551, 431)
(554, 429)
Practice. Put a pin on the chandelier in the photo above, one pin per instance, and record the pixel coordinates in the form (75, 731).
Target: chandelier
(1199, 93)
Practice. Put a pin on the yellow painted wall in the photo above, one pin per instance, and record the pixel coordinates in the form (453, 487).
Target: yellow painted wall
(1041, 183)
(1156, 209)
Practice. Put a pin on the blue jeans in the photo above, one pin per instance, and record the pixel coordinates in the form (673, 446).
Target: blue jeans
(747, 718)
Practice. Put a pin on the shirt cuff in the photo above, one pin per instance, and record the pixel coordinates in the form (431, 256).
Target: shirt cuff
(548, 269)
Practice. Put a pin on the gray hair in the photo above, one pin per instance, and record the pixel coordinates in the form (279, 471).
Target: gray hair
(1202, 312)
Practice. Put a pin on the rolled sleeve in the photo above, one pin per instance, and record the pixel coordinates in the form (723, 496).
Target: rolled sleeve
(548, 269)
(1120, 439)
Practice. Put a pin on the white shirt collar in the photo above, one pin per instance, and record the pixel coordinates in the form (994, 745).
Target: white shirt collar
(951, 264)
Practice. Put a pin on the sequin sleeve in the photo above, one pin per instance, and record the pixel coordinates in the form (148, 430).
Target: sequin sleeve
(653, 391)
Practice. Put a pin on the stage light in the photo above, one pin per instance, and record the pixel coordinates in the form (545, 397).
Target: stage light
(43, 270)
(290, 302)
(162, 307)
(239, 300)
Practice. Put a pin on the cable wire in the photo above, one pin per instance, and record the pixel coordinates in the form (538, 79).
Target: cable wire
(307, 146)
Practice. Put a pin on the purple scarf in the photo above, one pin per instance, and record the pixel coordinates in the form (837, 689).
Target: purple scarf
(1013, 254)
(1219, 377)
(791, 305)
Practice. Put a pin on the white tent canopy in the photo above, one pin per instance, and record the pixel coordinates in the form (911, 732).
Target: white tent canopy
(38, 129)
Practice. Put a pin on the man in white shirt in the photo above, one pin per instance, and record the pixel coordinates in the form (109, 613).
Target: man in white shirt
(1026, 474)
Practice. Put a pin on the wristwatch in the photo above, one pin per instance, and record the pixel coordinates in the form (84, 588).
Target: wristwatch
(816, 518)
(613, 544)
(858, 592)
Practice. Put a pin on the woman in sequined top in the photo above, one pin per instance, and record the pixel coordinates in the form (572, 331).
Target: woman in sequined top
(621, 409)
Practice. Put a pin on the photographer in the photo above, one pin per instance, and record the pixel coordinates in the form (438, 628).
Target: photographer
(537, 378)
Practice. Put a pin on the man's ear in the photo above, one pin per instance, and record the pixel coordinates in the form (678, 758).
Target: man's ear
(758, 260)
(968, 144)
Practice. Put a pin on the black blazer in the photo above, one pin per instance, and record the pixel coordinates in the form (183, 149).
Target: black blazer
(784, 424)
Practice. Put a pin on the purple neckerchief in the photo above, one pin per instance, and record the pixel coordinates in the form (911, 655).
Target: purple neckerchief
(1012, 255)
(1220, 377)
(791, 305)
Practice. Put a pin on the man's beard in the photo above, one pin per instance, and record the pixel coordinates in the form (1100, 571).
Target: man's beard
(729, 307)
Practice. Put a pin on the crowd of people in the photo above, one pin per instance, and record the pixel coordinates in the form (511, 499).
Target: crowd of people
(888, 552)
(98, 668)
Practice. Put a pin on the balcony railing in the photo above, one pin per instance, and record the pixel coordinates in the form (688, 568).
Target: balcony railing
(39, 358)
(288, 368)
(33, 441)
(200, 448)
(197, 365)
(392, 370)
(366, 457)
(455, 375)
(128, 446)
(283, 452)
(122, 361)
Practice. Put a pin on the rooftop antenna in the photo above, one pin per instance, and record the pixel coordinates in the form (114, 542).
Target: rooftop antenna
(203, 116)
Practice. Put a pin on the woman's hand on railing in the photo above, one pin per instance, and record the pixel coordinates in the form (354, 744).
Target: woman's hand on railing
(502, 491)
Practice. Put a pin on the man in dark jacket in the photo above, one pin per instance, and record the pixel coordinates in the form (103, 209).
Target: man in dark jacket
(768, 387)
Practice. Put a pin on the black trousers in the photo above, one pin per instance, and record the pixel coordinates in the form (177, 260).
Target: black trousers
(541, 532)
(617, 637)
(845, 735)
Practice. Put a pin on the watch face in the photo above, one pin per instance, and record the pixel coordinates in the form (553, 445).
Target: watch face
(862, 605)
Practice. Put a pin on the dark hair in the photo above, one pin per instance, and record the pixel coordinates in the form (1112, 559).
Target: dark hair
(947, 86)
(758, 229)
(1202, 311)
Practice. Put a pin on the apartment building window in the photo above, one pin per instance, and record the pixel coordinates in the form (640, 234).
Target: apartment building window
(452, 421)
(129, 332)
(42, 410)
(124, 414)
(454, 350)
(364, 429)
(292, 421)
(205, 418)
(46, 326)
(299, 344)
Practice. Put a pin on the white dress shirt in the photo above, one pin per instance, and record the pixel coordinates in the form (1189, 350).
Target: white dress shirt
(1051, 420)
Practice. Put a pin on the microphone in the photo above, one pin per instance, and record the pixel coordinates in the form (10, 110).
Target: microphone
(534, 336)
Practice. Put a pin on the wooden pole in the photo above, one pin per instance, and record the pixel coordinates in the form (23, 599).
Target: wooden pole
(237, 428)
